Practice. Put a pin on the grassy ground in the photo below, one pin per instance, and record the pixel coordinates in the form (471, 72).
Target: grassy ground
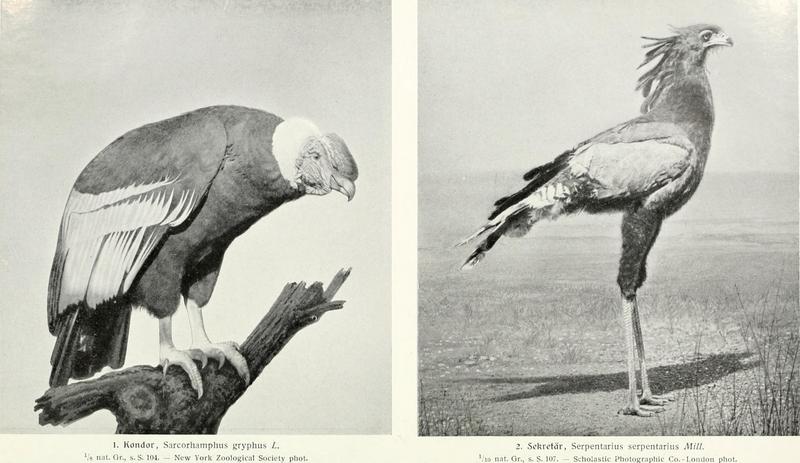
(529, 343)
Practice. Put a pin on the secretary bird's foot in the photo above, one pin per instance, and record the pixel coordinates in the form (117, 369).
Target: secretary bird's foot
(644, 411)
(651, 399)
(185, 359)
(220, 351)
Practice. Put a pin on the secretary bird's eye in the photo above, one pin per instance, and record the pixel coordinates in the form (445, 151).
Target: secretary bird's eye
(705, 35)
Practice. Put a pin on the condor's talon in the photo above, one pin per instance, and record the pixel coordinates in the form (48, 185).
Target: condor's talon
(229, 351)
(216, 354)
(185, 360)
(199, 355)
(213, 351)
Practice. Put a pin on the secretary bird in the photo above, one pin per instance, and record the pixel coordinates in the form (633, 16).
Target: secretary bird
(647, 168)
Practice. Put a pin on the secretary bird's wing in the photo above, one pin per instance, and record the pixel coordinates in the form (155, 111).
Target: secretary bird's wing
(144, 183)
(632, 160)
(629, 161)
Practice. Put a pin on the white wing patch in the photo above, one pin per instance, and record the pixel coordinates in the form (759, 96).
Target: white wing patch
(287, 141)
(108, 236)
(80, 202)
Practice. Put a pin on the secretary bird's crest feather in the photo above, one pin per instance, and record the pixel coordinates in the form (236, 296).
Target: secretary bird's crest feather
(671, 53)
(653, 82)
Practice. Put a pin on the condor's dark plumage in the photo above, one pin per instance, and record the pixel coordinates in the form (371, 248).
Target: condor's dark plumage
(149, 220)
(647, 168)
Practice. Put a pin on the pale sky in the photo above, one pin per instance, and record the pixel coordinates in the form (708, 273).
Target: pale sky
(507, 85)
(75, 77)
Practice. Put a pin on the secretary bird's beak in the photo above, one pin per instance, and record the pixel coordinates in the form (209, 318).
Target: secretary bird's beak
(343, 186)
(722, 39)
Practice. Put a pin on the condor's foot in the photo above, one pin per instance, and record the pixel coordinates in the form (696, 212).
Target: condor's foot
(652, 399)
(220, 351)
(185, 359)
(644, 411)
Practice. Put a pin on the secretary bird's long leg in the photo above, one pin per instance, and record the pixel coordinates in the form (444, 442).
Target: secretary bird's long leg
(639, 229)
(627, 325)
(169, 355)
(647, 396)
(220, 350)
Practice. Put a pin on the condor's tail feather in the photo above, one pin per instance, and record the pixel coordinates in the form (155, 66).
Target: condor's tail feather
(87, 340)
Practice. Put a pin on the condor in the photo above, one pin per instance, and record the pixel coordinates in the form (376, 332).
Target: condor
(149, 219)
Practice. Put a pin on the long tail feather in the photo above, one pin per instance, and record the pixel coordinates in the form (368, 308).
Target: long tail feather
(494, 222)
(479, 232)
(480, 252)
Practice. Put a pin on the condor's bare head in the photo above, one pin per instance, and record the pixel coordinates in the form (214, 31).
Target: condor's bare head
(321, 163)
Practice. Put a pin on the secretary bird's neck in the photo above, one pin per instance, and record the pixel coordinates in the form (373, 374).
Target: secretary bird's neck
(676, 88)
(684, 98)
(687, 100)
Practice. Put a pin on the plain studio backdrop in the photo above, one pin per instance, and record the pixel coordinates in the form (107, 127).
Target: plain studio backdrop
(76, 76)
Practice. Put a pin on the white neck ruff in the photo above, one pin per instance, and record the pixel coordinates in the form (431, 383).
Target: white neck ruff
(289, 138)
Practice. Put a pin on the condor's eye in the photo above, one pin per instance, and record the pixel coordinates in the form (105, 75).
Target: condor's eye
(706, 35)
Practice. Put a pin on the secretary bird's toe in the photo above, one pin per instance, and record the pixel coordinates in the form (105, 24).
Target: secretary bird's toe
(645, 411)
(652, 408)
(229, 351)
(653, 399)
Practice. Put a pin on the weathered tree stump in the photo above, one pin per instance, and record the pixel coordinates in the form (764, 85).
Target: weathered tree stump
(146, 401)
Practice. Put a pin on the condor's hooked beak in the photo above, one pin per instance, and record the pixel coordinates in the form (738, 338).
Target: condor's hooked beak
(720, 39)
(343, 186)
